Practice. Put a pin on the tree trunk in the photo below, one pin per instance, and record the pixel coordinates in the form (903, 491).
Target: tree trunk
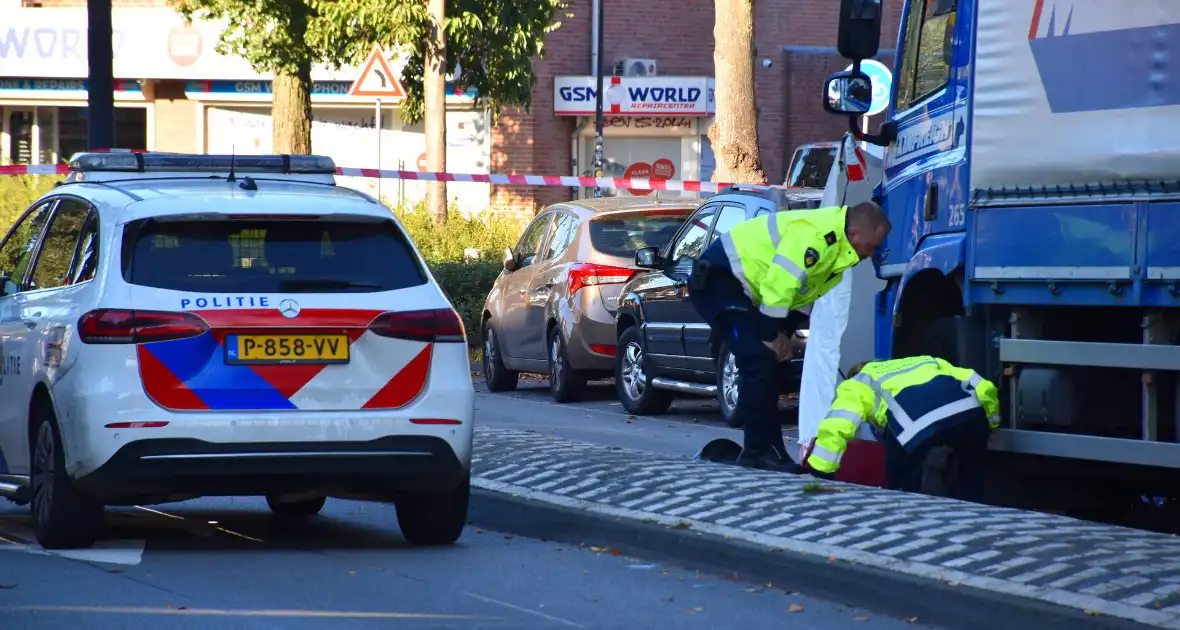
(734, 133)
(435, 103)
(291, 112)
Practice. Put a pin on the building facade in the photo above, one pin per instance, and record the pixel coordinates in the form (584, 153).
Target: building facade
(175, 92)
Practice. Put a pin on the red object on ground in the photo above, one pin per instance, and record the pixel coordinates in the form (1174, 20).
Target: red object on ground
(863, 463)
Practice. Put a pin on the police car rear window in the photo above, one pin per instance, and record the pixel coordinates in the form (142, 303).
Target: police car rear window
(622, 234)
(270, 256)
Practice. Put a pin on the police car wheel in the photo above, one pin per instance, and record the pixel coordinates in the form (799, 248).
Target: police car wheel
(63, 518)
(727, 386)
(632, 383)
(498, 377)
(565, 383)
(435, 518)
(296, 509)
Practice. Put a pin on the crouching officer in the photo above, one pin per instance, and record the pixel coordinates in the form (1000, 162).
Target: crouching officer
(915, 406)
(749, 285)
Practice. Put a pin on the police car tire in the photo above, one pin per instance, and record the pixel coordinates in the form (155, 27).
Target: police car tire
(498, 377)
(652, 401)
(71, 520)
(296, 509)
(434, 518)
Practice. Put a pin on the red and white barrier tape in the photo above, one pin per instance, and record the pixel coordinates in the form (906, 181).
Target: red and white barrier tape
(567, 181)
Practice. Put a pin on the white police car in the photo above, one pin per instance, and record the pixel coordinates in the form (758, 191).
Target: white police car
(175, 326)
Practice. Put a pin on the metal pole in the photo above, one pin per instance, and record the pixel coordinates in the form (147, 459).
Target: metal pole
(599, 158)
(377, 124)
(100, 87)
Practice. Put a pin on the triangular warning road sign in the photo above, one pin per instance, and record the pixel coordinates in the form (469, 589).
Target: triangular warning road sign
(377, 79)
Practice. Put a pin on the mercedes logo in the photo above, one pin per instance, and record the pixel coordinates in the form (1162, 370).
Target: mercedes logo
(289, 309)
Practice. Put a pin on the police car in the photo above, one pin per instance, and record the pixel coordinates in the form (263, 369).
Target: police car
(175, 326)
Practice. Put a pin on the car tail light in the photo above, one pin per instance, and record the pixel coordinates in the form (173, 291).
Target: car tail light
(438, 325)
(588, 275)
(125, 326)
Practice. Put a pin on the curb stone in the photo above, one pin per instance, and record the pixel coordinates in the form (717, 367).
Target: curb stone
(1099, 569)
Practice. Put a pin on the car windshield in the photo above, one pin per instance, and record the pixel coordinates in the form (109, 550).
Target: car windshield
(270, 256)
(622, 234)
(810, 167)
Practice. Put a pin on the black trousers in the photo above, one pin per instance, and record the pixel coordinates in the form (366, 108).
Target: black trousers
(951, 463)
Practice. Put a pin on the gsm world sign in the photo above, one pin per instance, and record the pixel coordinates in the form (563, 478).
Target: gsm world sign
(575, 96)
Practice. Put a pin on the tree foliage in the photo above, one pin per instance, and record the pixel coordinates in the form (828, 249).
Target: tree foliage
(490, 43)
(283, 36)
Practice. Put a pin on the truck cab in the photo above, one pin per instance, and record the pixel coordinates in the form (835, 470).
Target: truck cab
(1033, 178)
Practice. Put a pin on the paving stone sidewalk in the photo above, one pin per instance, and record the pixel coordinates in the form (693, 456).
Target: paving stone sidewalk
(1098, 568)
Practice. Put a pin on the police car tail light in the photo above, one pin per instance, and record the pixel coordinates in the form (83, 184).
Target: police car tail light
(437, 325)
(126, 326)
(588, 275)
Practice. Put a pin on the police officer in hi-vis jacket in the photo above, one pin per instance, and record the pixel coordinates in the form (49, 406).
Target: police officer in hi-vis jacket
(749, 285)
(914, 405)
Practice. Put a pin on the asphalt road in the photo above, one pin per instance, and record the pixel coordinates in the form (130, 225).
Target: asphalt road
(600, 419)
(227, 564)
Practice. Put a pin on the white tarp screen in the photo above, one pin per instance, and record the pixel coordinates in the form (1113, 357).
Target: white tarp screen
(842, 320)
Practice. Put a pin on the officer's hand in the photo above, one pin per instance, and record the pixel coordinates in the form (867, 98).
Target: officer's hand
(781, 347)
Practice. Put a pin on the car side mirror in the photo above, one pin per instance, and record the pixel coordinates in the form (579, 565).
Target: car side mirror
(648, 258)
(848, 93)
(860, 29)
(510, 263)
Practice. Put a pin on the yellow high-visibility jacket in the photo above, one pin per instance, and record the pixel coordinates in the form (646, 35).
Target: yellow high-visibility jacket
(787, 260)
(908, 397)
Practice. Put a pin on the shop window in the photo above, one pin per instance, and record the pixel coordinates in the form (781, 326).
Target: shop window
(20, 136)
(130, 130)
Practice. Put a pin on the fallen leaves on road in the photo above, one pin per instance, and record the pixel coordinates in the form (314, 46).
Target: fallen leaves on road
(819, 488)
(860, 618)
(681, 525)
(795, 608)
(1093, 613)
(613, 552)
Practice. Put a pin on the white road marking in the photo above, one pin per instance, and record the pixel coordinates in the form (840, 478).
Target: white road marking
(529, 611)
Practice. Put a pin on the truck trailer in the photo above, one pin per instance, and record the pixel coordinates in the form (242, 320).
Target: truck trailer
(1032, 176)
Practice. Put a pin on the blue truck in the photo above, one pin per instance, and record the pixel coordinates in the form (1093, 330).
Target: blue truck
(1032, 175)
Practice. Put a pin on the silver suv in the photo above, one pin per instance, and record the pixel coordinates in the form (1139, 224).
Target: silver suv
(552, 310)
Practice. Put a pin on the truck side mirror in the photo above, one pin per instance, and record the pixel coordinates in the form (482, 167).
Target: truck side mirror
(860, 29)
(848, 93)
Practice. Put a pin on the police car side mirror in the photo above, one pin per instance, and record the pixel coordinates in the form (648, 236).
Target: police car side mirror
(859, 35)
(510, 263)
(648, 258)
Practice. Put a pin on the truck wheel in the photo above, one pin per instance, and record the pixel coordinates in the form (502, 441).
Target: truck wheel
(295, 509)
(633, 383)
(498, 377)
(566, 384)
(727, 385)
(63, 518)
(434, 518)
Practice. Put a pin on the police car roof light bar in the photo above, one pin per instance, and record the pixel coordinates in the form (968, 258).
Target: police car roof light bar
(180, 162)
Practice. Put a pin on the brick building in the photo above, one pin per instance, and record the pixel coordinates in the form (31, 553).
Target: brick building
(204, 102)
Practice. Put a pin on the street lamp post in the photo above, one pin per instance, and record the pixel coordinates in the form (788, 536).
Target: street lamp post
(599, 158)
(100, 86)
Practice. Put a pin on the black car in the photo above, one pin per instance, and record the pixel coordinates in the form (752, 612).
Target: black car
(664, 346)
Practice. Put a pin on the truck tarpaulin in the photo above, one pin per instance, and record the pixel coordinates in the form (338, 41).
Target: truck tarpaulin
(841, 332)
(1074, 92)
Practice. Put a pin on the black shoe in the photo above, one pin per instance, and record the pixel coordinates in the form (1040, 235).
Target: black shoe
(769, 459)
